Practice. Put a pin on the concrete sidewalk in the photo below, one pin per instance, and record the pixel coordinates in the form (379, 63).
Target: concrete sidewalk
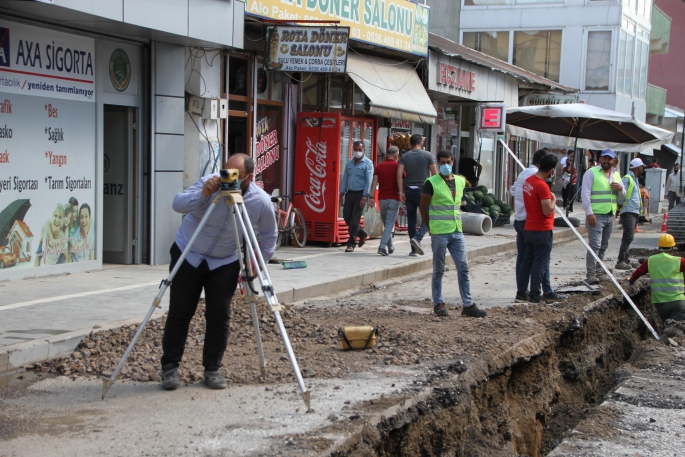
(47, 317)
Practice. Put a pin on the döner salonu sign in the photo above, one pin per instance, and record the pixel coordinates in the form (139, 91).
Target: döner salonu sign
(308, 49)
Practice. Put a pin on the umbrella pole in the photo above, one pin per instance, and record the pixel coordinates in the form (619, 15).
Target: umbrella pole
(576, 186)
(599, 261)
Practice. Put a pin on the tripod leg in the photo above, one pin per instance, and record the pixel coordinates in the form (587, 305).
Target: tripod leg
(267, 287)
(108, 381)
(246, 271)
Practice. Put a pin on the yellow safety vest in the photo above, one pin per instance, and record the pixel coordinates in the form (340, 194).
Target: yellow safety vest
(443, 212)
(602, 198)
(665, 277)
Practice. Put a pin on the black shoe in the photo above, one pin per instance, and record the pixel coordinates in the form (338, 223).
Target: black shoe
(362, 237)
(413, 254)
(391, 249)
(554, 297)
(537, 301)
(382, 252)
(214, 380)
(473, 311)
(170, 378)
(521, 298)
(440, 310)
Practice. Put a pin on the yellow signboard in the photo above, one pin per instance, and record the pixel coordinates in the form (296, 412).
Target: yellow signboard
(396, 24)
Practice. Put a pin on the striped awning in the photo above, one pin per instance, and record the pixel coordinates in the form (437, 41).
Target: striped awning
(394, 89)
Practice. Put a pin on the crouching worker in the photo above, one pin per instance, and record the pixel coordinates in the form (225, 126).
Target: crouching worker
(440, 203)
(666, 280)
(212, 264)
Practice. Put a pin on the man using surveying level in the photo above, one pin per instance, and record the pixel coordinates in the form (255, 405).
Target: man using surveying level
(666, 280)
(601, 186)
(212, 264)
(440, 211)
(631, 206)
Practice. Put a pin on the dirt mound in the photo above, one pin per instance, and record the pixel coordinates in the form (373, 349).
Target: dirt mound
(408, 334)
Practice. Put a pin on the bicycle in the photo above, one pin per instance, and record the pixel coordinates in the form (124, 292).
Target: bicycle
(290, 222)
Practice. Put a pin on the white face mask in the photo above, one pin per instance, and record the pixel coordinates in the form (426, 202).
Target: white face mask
(359, 154)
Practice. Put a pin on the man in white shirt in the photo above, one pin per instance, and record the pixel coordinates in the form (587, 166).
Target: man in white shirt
(519, 223)
(673, 186)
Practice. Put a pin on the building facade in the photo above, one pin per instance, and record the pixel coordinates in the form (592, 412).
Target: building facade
(93, 101)
(600, 47)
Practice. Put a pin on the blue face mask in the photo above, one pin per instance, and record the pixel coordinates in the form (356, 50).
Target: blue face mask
(445, 169)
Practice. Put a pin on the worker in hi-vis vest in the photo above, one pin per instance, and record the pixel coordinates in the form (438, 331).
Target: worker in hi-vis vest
(666, 280)
(440, 211)
(630, 208)
(601, 186)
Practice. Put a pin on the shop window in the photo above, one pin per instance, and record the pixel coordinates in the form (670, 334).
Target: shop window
(538, 52)
(311, 92)
(495, 44)
(338, 93)
(598, 60)
(268, 155)
(237, 76)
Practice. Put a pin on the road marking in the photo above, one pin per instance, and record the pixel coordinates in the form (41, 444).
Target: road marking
(82, 294)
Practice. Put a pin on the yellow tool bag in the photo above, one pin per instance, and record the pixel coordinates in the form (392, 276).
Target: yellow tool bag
(358, 337)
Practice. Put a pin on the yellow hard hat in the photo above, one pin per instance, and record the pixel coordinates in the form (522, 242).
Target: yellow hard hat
(666, 241)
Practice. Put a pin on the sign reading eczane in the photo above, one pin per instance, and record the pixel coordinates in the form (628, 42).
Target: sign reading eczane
(38, 62)
(396, 24)
(308, 49)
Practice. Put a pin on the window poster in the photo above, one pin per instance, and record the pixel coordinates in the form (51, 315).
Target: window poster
(47, 148)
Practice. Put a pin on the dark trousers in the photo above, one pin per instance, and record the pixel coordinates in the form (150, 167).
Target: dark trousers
(413, 201)
(671, 310)
(566, 194)
(186, 287)
(352, 214)
(536, 261)
(522, 279)
(673, 199)
(629, 221)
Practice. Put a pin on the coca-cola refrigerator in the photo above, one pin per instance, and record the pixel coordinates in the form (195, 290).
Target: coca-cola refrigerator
(324, 144)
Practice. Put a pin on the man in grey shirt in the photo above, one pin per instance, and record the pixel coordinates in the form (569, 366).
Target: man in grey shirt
(419, 165)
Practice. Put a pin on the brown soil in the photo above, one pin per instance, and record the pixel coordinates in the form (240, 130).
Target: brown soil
(544, 366)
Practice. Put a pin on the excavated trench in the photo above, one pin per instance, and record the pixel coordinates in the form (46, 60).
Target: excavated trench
(521, 402)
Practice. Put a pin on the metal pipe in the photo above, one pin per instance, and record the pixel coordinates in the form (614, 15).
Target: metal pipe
(604, 267)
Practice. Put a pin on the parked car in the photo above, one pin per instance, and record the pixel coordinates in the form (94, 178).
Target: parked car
(7, 257)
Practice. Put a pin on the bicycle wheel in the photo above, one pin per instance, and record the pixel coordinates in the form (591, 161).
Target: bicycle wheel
(279, 240)
(298, 228)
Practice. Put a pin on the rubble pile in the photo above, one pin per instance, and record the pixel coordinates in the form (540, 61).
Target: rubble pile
(409, 334)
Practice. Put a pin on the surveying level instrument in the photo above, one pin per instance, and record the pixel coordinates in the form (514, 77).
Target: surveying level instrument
(252, 266)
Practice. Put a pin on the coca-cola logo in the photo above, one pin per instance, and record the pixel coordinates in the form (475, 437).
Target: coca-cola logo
(315, 158)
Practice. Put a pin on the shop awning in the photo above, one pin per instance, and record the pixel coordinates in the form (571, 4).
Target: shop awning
(394, 89)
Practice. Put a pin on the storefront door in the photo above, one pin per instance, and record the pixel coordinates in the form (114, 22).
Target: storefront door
(118, 242)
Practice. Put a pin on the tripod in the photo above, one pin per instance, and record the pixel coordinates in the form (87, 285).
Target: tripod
(230, 190)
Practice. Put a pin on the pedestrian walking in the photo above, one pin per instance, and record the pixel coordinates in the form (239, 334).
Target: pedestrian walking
(631, 207)
(385, 176)
(440, 210)
(673, 186)
(418, 165)
(355, 188)
(212, 264)
(601, 186)
(665, 279)
(569, 178)
(538, 233)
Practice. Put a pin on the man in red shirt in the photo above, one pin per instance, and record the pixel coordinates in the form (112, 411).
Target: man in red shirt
(385, 175)
(539, 202)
